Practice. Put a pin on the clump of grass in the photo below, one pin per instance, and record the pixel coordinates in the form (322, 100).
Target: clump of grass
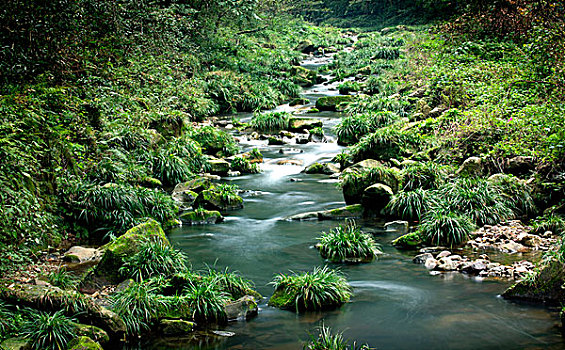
(61, 278)
(353, 127)
(353, 183)
(244, 166)
(154, 258)
(410, 205)
(321, 289)
(549, 222)
(440, 227)
(327, 340)
(347, 243)
(385, 143)
(228, 192)
(423, 175)
(517, 193)
(270, 122)
(349, 86)
(214, 141)
(49, 330)
(206, 300)
(230, 282)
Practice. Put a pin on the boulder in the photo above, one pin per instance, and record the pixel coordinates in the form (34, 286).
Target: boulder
(376, 196)
(399, 226)
(50, 298)
(331, 103)
(437, 111)
(447, 264)
(83, 343)
(290, 161)
(197, 185)
(431, 264)
(472, 166)
(421, 258)
(176, 327)
(184, 198)
(303, 76)
(243, 308)
(201, 217)
(354, 211)
(117, 251)
(354, 186)
(80, 254)
(299, 101)
(97, 334)
(408, 241)
(297, 124)
(219, 166)
(364, 70)
(520, 165)
(313, 215)
(322, 168)
(276, 141)
(212, 199)
(305, 46)
(16, 344)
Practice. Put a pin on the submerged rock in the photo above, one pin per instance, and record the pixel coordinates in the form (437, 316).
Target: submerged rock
(354, 211)
(322, 168)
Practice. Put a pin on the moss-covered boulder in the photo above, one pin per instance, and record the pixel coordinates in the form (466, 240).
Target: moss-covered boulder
(219, 167)
(354, 211)
(472, 166)
(95, 333)
(299, 101)
(196, 185)
(331, 103)
(408, 241)
(299, 124)
(305, 46)
(322, 168)
(16, 344)
(356, 178)
(376, 197)
(83, 343)
(243, 308)
(117, 251)
(176, 327)
(184, 198)
(303, 76)
(213, 199)
(201, 217)
(545, 287)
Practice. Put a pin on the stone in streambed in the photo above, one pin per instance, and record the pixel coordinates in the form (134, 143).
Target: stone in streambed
(399, 226)
(322, 168)
(376, 197)
(196, 185)
(408, 241)
(176, 327)
(81, 254)
(219, 166)
(421, 258)
(332, 103)
(201, 217)
(354, 211)
(297, 124)
(16, 344)
(212, 199)
(243, 308)
(83, 343)
(93, 332)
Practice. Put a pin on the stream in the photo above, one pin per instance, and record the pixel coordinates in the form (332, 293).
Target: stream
(396, 304)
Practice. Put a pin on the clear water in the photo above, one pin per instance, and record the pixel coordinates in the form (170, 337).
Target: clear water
(396, 304)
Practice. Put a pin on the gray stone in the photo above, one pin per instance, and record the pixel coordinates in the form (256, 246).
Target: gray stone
(81, 254)
(304, 216)
(431, 264)
(443, 254)
(422, 258)
(472, 166)
(377, 196)
(219, 167)
(446, 264)
(399, 226)
(16, 344)
(176, 327)
(243, 308)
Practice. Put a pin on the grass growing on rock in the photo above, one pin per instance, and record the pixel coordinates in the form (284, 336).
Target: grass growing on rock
(410, 205)
(49, 330)
(441, 227)
(326, 339)
(207, 300)
(323, 288)
(270, 122)
(347, 243)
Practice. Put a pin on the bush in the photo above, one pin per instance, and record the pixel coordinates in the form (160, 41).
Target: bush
(321, 289)
(549, 222)
(326, 340)
(177, 160)
(346, 243)
(230, 283)
(154, 258)
(49, 330)
(353, 127)
(61, 278)
(423, 175)
(206, 300)
(349, 86)
(270, 122)
(228, 193)
(517, 193)
(410, 205)
(441, 227)
(244, 166)
(384, 144)
(214, 141)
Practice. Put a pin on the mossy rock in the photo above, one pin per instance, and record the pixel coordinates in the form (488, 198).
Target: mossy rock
(176, 327)
(354, 211)
(408, 241)
(212, 200)
(150, 182)
(364, 70)
(202, 217)
(313, 110)
(97, 334)
(545, 287)
(243, 308)
(219, 167)
(197, 185)
(16, 344)
(376, 197)
(359, 176)
(303, 76)
(299, 124)
(305, 46)
(299, 101)
(83, 343)
(275, 141)
(331, 103)
(117, 251)
(283, 300)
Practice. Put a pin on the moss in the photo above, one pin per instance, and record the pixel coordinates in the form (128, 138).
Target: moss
(408, 241)
(176, 327)
(16, 344)
(197, 185)
(93, 332)
(212, 200)
(331, 103)
(282, 300)
(299, 124)
(150, 182)
(83, 343)
(202, 217)
(354, 211)
(316, 168)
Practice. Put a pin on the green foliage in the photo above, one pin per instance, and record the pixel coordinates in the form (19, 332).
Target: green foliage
(441, 227)
(518, 194)
(549, 222)
(214, 141)
(270, 122)
(154, 258)
(347, 243)
(207, 300)
(424, 175)
(244, 166)
(411, 205)
(61, 278)
(320, 289)
(385, 143)
(357, 181)
(229, 282)
(349, 86)
(228, 192)
(49, 330)
(353, 127)
(326, 340)
(175, 162)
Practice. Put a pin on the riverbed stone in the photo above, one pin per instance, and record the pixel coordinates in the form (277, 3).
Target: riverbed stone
(399, 226)
(421, 258)
(431, 264)
(80, 254)
(83, 343)
(212, 200)
(16, 344)
(196, 185)
(117, 251)
(331, 103)
(376, 197)
(303, 76)
(95, 333)
(176, 327)
(243, 308)
(313, 215)
(322, 168)
(201, 217)
(354, 186)
(297, 124)
(447, 264)
(299, 101)
(354, 211)
(184, 198)
(408, 241)
(443, 254)
(219, 166)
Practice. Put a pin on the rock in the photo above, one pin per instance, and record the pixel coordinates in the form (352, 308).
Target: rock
(438, 111)
(303, 76)
(83, 343)
(302, 140)
(243, 308)
(447, 264)
(297, 162)
(353, 187)
(305, 46)
(49, 298)
(399, 226)
(531, 241)
(408, 241)
(513, 247)
(92, 332)
(150, 182)
(16, 344)
(117, 251)
(331, 103)
(299, 101)
(297, 124)
(443, 254)
(472, 166)
(421, 258)
(212, 199)
(431, 264)
(376, 197)
(201, 217)
(81, 255)
(176, 327)
(364, 70)
(223, 333)
(304, 216)
(520, 165)
(276, 141)
(196, 185)
(219, 166)
(354, 211)
(418, 93)
(322, 168)
(475, 267)
(313, 110)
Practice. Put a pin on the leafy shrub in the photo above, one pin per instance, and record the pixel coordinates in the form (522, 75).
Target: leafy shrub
(270, 122)
(346, 243)
(424, 175)
(321, 289)
(386, 53)
(383, 144)
(214, 141)
(206, 300)
(441, 227)
(61, 278)
(49, 330)
(349, 86)
(228, 193)
(244, 166)
(410, 205)
(154, 258)
(177, 160)
(351, 128)
(230, 283)
(378, 103)
(517, 193)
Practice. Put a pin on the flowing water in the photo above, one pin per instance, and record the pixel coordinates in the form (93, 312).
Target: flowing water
(396, 305)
